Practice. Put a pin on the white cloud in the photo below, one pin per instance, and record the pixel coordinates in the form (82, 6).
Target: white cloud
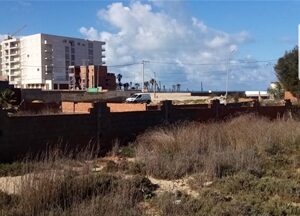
(141, 32)
(2, 37)
(91, 32)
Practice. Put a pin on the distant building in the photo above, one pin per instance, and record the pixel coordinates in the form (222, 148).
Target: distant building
(257, 94)
(91, 76)
(42, 60)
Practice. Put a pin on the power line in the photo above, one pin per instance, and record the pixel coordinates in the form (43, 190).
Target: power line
(241, 62)
(207, 64)
(123, 65)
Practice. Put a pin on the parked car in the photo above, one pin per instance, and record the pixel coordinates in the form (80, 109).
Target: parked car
(139, 98)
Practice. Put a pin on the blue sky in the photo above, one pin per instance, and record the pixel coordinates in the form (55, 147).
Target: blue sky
(187, 42)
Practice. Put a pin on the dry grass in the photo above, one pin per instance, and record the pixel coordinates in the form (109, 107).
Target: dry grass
(252, 166)
(216, 149)
(65, 184)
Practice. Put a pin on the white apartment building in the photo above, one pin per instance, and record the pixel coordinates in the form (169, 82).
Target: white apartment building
(42, 60)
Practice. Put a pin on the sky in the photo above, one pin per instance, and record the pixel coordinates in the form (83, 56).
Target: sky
(233, 44)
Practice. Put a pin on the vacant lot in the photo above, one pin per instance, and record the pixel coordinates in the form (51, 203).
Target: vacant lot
(246, 166)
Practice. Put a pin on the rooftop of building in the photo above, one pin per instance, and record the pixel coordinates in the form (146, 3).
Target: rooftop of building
(50, 35)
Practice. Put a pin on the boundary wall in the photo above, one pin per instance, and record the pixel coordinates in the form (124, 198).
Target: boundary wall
(28, 135)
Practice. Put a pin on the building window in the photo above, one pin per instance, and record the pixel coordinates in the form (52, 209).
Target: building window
(64, 41)
(73, 57)
(90, 45)
(72, 50)
(45, 41)
(78, 43)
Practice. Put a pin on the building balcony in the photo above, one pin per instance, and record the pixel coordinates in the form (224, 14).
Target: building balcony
(12, 60)
(15, 81)
(15, 67)
(15, 74)
(14, 54)
(5, 62)
(48, 50)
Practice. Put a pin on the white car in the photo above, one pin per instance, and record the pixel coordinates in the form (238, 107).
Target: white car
(139, 98)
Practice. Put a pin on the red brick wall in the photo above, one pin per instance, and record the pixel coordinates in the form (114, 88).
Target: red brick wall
(74, 107)
(122, 107)
(84, 107)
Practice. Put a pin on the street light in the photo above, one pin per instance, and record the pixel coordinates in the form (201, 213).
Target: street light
(143, 73)
(155, 84)
(228, 69)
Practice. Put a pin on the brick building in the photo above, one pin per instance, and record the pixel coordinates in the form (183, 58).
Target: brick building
(91, 76)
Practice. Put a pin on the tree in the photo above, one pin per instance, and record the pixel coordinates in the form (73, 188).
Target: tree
(126, 86)
(146, 85)
(276, 92)
(152, 82)
(7, 98)
(178, 87)
(286, 71)
(136, 85)
(119, 78)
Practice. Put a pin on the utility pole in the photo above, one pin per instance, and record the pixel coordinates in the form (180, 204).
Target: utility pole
(143, 73)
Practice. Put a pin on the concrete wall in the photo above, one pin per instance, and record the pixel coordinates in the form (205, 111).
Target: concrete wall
(23, 135)
(77, 96)
(31, 57)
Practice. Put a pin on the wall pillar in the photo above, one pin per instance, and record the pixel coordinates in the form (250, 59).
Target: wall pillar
(256, 106)
(215, 106)
(100, 113)
(4, 130)
(166, 110)
(288, 107)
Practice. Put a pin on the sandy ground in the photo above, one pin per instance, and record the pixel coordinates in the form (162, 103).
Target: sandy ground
(12, 185)
(173, 186)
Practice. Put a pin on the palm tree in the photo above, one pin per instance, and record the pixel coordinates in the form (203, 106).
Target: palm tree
(178, 87)
(136, 85)
(126, 85)
(152, 81)
(119, 77)
(7, 99)
(146, 85)
(173, 88)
